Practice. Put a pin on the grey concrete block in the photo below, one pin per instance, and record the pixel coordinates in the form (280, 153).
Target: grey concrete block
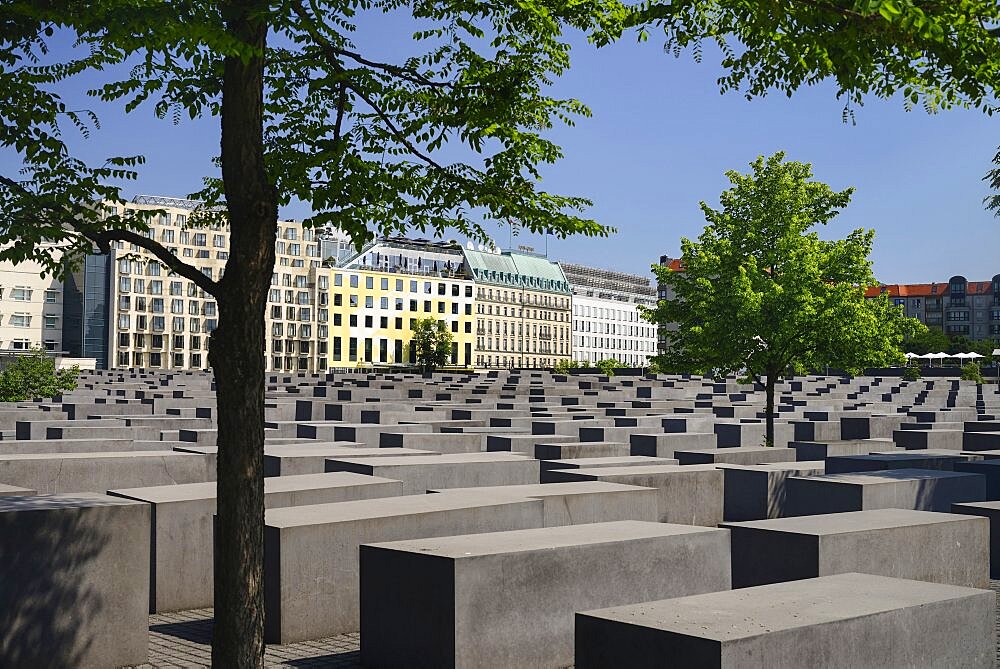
(847, 620)
(508, 598)
(580, 501)
(921, 489)
(99, 472)
(840, 464)
(991, 511)
(74, 581)
(463, 470)
(294, 459)
(666, 444)
(756, 492)
(581, 449)
(15, 491)
(902, 543)
(311, 552)
(689, 494)
(181, 532)
(743, 455)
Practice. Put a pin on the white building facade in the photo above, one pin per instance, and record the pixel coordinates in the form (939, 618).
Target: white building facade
(606, 319)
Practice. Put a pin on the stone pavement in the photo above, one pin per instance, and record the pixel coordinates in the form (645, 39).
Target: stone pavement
(183, 639)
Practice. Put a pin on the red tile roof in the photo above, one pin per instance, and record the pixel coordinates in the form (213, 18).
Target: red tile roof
(927, 289)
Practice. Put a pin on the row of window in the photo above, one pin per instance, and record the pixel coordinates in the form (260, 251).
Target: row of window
(515, 297)
(507, 344)
(157, 305)
(159, 323)
(614, 328)
(24, 321)
(606, 313)
(24, 294)
(612, 343)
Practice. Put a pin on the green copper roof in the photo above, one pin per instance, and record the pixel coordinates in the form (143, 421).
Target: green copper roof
(517, 270)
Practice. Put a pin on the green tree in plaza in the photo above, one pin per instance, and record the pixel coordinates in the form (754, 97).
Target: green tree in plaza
(431, 341)
(306, 112)
(760, 292)
(607, 366)
(927, 340)
(35, 375)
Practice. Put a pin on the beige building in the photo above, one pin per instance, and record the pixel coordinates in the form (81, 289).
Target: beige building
(30, 309)
(159, 320)
(523, 309)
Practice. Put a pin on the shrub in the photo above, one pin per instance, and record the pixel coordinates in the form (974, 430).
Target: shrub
(653, 368)
(608, 366)
(971, 372)
(911, 373)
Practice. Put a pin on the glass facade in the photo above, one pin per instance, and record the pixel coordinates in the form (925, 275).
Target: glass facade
(85, 310)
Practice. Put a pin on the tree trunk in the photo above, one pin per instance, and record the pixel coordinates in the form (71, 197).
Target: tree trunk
(236, 352)
(769, 409)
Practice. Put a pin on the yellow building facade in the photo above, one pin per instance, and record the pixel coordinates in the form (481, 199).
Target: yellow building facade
(370, 314)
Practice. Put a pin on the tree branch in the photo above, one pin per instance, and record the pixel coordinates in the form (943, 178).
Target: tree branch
(104, 238)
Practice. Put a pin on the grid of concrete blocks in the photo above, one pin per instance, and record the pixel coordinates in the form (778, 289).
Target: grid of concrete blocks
(512, 519)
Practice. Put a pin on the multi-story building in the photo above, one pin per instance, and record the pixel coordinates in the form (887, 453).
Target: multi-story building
(523, 309)
(959, 307)
(378, 294)
(155, 319)
(665, 292)
(606, 319)
(31, 309)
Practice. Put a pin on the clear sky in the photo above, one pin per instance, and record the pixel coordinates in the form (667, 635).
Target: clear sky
(659, 141)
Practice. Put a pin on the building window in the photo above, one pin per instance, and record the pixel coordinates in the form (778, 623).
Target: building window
(20, 294)
(20, 320)
(20, 344)
(50, 322)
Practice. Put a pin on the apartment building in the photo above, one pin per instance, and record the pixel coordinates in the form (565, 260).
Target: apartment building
(665, 292)
(523, 309)
(379, 293)
(31, 309)
(959, 307)
(606, 319)
(129, 311)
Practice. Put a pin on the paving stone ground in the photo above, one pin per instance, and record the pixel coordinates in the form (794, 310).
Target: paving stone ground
(183, 639)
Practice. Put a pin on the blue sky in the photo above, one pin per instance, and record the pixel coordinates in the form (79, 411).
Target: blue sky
(661, 138)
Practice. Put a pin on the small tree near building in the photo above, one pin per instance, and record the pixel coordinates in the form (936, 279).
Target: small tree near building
(607, 366)
(432, 343)
(761, 291)
(35, 375)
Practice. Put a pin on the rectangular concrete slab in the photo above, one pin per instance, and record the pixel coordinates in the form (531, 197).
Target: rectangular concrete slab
(462, 470)
(923, 489)
(847, 620)
(580, 501)
(922, 545)
(181, 531)
(74, 581)
(756, 492)
(508, 598)
(311, 552)
(689, 494)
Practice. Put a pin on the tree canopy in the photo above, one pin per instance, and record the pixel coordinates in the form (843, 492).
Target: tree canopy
(761, 293)
(431, 341)
(937, 54)
(34, 375)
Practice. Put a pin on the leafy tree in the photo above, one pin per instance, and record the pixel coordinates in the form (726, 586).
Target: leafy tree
(936, 54)
(35, 375)
(563, 366)
(581, 364)
(431, 341)
(306, 114)
(607, 366)
(971, 372)
(761, 291)
(927, 340)
(912, 372)
(653, 368)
